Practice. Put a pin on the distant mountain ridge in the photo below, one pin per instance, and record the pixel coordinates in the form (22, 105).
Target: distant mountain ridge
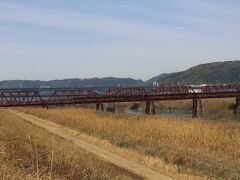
(210, 73)
(93, 82)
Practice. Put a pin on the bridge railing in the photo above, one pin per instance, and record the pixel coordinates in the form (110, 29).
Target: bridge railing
(71, 94)
(220, 88)
(16, 98)
(132, 91)
(171, 90)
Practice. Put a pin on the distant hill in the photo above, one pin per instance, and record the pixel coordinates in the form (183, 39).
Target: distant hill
(94, 82)
(217, 72)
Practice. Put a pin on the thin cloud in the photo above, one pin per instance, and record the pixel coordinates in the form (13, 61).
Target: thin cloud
(191, 14)
(79, 21)
(190, 26)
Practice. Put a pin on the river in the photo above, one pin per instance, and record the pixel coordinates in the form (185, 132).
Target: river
(168, 113)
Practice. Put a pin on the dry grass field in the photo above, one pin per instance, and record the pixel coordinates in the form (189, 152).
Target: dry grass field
(27, 152)
(196, 147)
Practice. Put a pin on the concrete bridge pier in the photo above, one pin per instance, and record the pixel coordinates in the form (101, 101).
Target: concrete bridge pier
(99, 107)
(150, 107)
(237, 102)
(197, 111)
(111, 107)
(237, 106)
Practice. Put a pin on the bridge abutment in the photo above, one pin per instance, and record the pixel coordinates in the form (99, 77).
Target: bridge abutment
(150, 107)
(197, 111)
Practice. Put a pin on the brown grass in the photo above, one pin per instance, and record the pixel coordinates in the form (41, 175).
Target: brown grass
(27, 152)
(194, 146)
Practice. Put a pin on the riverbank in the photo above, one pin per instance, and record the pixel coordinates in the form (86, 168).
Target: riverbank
(213, 109)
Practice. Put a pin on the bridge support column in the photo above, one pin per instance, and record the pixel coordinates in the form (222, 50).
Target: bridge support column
(237, 102)
(197, 111)
(111, 107)
(150, 107)
(237, 106)
(99, 107)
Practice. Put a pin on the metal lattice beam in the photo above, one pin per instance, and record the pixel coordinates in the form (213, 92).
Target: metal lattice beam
(32, 97)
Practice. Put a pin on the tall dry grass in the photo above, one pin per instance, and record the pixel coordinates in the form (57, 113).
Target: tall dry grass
(27, 152)
(198, 146)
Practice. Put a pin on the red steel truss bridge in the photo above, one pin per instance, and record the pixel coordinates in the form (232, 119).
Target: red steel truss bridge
(60, 96)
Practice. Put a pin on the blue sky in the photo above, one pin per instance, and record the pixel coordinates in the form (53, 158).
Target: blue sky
(55, 39)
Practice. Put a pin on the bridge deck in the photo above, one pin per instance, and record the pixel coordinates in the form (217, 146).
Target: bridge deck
(58, 96)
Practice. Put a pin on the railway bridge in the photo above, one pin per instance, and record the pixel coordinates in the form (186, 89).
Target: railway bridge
(60, 96)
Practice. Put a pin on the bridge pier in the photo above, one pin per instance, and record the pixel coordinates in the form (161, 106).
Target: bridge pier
(237, 102)
(111, 107)
(150, 107)
(45, 107)
(237, 106)
(197, 111)
(99, 107)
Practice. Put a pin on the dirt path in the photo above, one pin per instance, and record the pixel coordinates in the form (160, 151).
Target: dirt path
(108, 156)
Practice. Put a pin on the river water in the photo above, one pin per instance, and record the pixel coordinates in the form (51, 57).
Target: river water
(165, 113)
